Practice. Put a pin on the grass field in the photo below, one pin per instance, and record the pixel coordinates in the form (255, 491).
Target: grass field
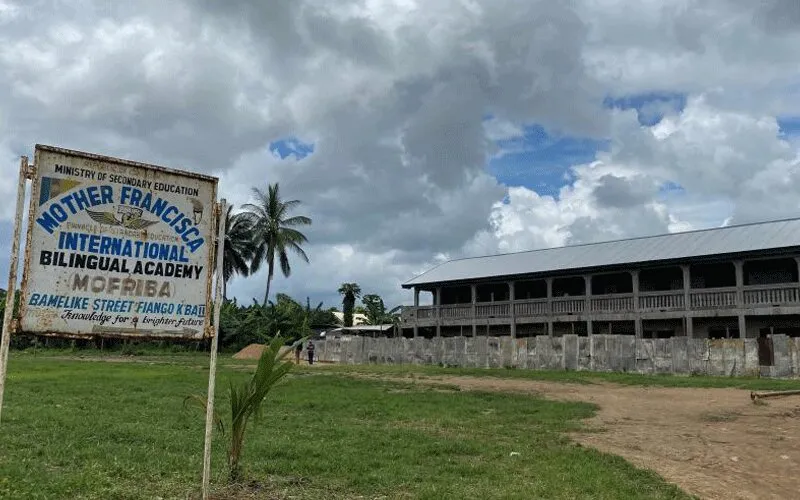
(583, 377)
(78, 429)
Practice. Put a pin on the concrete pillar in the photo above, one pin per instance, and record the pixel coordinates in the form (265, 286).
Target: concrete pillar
(797, 259)
(637, 319)
(739, 267)
(549, 310)
(742, 326)
(512, 309)
(588, 307)
(687, 285)
(474, 289)
(416, 305)
(437, 300)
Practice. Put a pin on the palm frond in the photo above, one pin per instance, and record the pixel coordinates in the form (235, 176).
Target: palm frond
(286, 269)
(297, 220)
(202, 402)
(298, 250)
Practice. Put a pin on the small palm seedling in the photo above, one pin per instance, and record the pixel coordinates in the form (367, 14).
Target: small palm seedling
(246, 399)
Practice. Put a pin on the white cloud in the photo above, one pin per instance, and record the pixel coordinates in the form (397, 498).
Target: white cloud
(393, 95)
(733, 167)
(497, 130)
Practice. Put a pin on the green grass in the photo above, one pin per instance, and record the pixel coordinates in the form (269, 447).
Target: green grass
(77, 429)
(582, 377)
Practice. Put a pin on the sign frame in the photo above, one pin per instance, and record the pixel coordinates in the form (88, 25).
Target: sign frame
(35, 174)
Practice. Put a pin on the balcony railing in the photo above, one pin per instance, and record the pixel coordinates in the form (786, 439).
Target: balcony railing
(712, 299)
(612, 303)
(568, 306)
(673, 300)
(531, 307)
(661, 301)
(494, 309)
(774, 295)
(456, 311)
(426, 312)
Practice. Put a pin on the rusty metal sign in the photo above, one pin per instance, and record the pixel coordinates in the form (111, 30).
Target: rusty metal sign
(117, 248)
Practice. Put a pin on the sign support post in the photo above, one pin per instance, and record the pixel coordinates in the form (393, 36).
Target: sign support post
(12, 275)
(222, 210)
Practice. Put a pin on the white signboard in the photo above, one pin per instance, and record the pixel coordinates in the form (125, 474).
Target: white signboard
(117, 248)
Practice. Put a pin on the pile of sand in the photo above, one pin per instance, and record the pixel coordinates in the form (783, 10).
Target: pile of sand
(254, 351)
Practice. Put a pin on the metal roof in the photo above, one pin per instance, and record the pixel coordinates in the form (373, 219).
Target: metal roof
(368, 328)
(772, 235)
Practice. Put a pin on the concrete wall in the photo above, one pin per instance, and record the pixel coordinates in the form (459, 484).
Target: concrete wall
(611, 353)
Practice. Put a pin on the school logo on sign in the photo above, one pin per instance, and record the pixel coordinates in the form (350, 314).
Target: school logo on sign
(129, 218)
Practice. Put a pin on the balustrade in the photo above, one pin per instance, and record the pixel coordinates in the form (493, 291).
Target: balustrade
(660, 301)
(493, 309)
(673, 300)
(712, 299)
(612, 303)
(760, 295)
(456, 311)
(426, 312)
(568, 306)
(531, 307)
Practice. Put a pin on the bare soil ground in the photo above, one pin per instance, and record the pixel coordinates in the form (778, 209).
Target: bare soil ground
(713, 443)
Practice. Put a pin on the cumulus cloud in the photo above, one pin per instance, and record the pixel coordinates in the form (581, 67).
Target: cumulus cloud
(404, 102)
(728, 167)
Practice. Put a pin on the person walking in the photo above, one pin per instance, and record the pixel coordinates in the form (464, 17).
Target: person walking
(310, 351)
(297, 351)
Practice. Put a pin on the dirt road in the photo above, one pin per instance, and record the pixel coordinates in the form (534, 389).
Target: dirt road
(713, 443)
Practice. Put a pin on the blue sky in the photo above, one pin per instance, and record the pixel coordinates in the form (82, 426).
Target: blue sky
(540, 160)
(291, 146)
(789, 126)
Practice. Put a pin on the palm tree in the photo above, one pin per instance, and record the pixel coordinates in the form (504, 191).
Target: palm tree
(239, 247)
(350, 292)
(247, 398)
(274, 232)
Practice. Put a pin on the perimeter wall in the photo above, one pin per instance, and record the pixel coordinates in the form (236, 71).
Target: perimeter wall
(611, 353)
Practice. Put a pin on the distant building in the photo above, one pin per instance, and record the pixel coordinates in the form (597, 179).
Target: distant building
(362, 330)
(731, 282)
(358, 319)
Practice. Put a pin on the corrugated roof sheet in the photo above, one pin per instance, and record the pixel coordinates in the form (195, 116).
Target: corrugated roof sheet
(772, 235)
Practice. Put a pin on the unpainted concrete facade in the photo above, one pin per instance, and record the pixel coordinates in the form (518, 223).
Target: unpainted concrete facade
(747, 297)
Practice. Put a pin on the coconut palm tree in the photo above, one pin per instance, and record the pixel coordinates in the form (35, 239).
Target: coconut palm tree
(239, 247)
(350, 292)
(274, 232)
